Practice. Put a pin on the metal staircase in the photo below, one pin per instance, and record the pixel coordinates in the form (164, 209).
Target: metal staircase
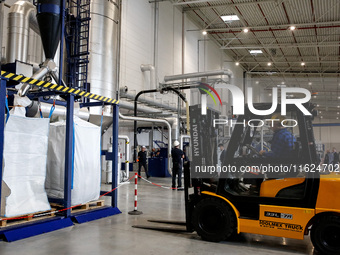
(77, 41)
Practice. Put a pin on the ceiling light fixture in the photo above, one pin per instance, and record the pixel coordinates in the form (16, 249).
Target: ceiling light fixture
(309, 83)
(227, 18)
(257, 82)
(246, 30)
(254, 52)
(303, 63)
(269, 64)
(292, 28)
(237, 63)
(204, 32)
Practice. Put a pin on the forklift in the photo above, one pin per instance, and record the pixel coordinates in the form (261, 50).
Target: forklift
(290, 204)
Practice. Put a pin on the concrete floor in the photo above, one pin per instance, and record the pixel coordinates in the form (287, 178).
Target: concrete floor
(114, 235)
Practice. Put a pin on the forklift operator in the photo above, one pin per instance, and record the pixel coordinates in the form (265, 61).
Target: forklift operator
(282, 144)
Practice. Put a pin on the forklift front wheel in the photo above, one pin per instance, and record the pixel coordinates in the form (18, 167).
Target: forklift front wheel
(214, 220)
(325, 235)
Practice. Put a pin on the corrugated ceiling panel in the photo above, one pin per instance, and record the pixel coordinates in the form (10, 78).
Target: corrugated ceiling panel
(299, 11)
(328, 10)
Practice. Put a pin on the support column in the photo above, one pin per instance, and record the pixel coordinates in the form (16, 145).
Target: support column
(115, 154)
(68, 154)
(2, 125)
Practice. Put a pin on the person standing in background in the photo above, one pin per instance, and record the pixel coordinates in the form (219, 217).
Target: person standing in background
(223, 153)
(177, 156)
(335, 159)
(142, 162)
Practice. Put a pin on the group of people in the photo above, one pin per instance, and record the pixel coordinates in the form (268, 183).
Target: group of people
(177, 160)
(331, 158)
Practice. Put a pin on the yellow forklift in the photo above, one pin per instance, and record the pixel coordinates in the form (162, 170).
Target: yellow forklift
(299, 196)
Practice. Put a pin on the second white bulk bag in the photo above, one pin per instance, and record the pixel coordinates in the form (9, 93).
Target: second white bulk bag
(86, 161)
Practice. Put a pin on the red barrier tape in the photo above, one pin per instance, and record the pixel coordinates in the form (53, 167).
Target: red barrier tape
(61, 210)
(161, 186)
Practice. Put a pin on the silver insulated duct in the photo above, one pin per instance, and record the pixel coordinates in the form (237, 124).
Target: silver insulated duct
(21, 18)
(102, 74)
(104, 47)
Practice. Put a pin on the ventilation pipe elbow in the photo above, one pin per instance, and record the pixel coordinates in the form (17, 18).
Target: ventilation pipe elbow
(21, 17)
(151, 68)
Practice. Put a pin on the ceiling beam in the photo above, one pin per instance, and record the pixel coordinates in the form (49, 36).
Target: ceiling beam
(186, 9)
(297, 73)
(272, 27)
(286, 62)
(282, 46)
(195, 2)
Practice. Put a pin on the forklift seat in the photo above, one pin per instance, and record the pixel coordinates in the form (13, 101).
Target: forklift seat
(281, 187)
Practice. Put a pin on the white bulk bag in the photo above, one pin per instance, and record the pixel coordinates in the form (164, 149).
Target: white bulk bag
(86, 170)
(25, 155)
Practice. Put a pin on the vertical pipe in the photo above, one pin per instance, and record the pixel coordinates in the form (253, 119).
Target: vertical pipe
(127, 158)
(62, 13)
(1, 29)
(2, 125)
(115, 154)
(68, 154)
(183, 42)
(155, 45)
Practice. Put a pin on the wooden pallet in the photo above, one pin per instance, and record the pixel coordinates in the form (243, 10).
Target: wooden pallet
(11, 221)
(84, 207)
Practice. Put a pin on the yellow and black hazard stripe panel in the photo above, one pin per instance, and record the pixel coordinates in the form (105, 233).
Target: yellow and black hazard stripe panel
(58, 88)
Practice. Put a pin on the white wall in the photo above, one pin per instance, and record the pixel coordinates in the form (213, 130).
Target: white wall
(137, 45)
(328, 135)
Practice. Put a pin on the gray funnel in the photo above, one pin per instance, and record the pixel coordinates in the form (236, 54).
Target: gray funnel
(49, 20)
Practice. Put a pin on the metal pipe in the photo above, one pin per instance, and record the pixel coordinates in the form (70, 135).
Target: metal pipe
(59, 111)
(181, 140)
(151, 68)
(21, 17)
(198, 74)
(135, 113)
(1, 28)
(127, 154)
(157, 121)
(145, 109)
(47, 66)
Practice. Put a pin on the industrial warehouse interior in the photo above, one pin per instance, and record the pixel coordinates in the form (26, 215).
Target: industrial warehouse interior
(170, 127)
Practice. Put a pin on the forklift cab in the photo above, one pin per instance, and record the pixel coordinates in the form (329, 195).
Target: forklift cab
(265, 190)
(276, 178)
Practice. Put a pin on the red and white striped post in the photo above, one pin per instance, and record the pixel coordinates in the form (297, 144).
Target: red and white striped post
(135, 211)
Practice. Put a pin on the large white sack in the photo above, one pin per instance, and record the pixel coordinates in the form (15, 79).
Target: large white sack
(25, 155)
(86, 170)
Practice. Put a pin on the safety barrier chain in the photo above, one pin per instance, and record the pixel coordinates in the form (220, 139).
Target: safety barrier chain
(58, 88)
(155, 184)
